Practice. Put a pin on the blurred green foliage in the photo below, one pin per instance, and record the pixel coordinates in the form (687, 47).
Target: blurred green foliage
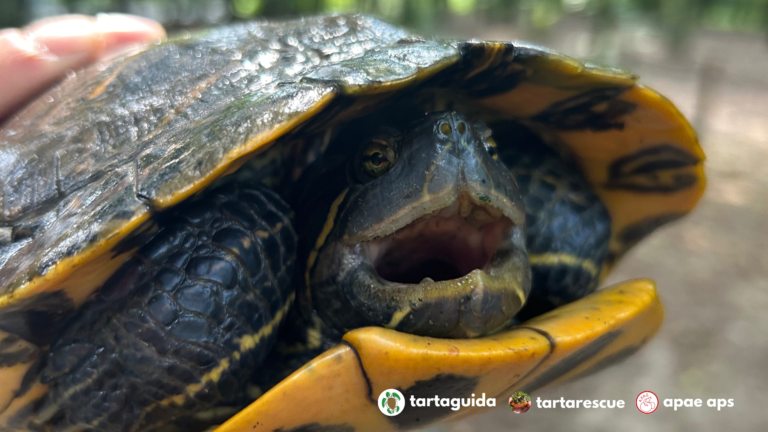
(677, 19)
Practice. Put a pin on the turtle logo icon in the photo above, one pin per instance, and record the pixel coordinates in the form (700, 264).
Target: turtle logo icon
(647, 402)
(391, 402)
(519, 402)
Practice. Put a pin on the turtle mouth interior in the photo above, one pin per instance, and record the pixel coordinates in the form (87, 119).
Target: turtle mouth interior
(444, 245)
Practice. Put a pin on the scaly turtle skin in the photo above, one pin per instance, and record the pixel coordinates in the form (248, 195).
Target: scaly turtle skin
(160, 214)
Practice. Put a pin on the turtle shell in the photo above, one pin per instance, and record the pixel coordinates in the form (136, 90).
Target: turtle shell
(338, 390)
(87, 165)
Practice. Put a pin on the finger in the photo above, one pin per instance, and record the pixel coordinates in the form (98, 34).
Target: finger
(34, 57)
(77, 34)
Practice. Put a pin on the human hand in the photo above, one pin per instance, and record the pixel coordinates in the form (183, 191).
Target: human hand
(34, 57)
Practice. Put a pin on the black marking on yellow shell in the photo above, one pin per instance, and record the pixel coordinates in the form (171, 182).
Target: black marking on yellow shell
(632, 234)
(38, 318)
(635, 232)
(30, 377)
(14, 350)
(597, 110)
(486, 69)
(552, 347)
(443, 385)
(317, 427)
(612, 359)
(362, 369)
(570, 362)
(658, 169)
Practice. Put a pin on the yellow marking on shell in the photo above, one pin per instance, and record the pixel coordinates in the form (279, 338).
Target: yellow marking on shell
(671, 128)
(17, 405)
(329, 222)
(262, 234)
(104, 84)
(502, 363)
(338, 373)
(490, 57)
(83, 273)
(553, 78)
(11, 376)
(553, 259)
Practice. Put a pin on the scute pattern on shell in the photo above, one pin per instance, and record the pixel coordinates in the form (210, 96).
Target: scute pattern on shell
(121, 140)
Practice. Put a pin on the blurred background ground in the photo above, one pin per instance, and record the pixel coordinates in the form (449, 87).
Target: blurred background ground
(710, 57)
(711, 267)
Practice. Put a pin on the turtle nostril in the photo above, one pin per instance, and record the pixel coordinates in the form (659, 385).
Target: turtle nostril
(461, 127)
(445, 128)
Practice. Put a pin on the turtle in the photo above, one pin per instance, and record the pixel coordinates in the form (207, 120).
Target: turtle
(264, 226)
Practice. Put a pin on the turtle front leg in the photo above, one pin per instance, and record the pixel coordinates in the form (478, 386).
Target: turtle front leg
(173, 338)
(567, 225)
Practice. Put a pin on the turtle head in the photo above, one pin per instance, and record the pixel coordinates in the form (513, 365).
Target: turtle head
(416, 227)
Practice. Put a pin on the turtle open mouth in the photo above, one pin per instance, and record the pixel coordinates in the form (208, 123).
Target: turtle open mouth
(444, 245)
(458, 271)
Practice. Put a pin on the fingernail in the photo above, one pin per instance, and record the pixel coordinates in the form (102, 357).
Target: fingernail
(66, 36)
(123, 28)
(18, 46)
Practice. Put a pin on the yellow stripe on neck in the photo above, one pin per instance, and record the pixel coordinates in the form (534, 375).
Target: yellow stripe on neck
(553, 259)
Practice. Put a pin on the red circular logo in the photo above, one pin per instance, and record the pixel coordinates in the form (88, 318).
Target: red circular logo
(647, 402)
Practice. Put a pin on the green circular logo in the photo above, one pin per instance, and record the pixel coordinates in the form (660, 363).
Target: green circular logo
(391, 402)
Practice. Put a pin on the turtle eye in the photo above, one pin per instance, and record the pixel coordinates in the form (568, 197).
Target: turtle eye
(491, 148)
(376, 159)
